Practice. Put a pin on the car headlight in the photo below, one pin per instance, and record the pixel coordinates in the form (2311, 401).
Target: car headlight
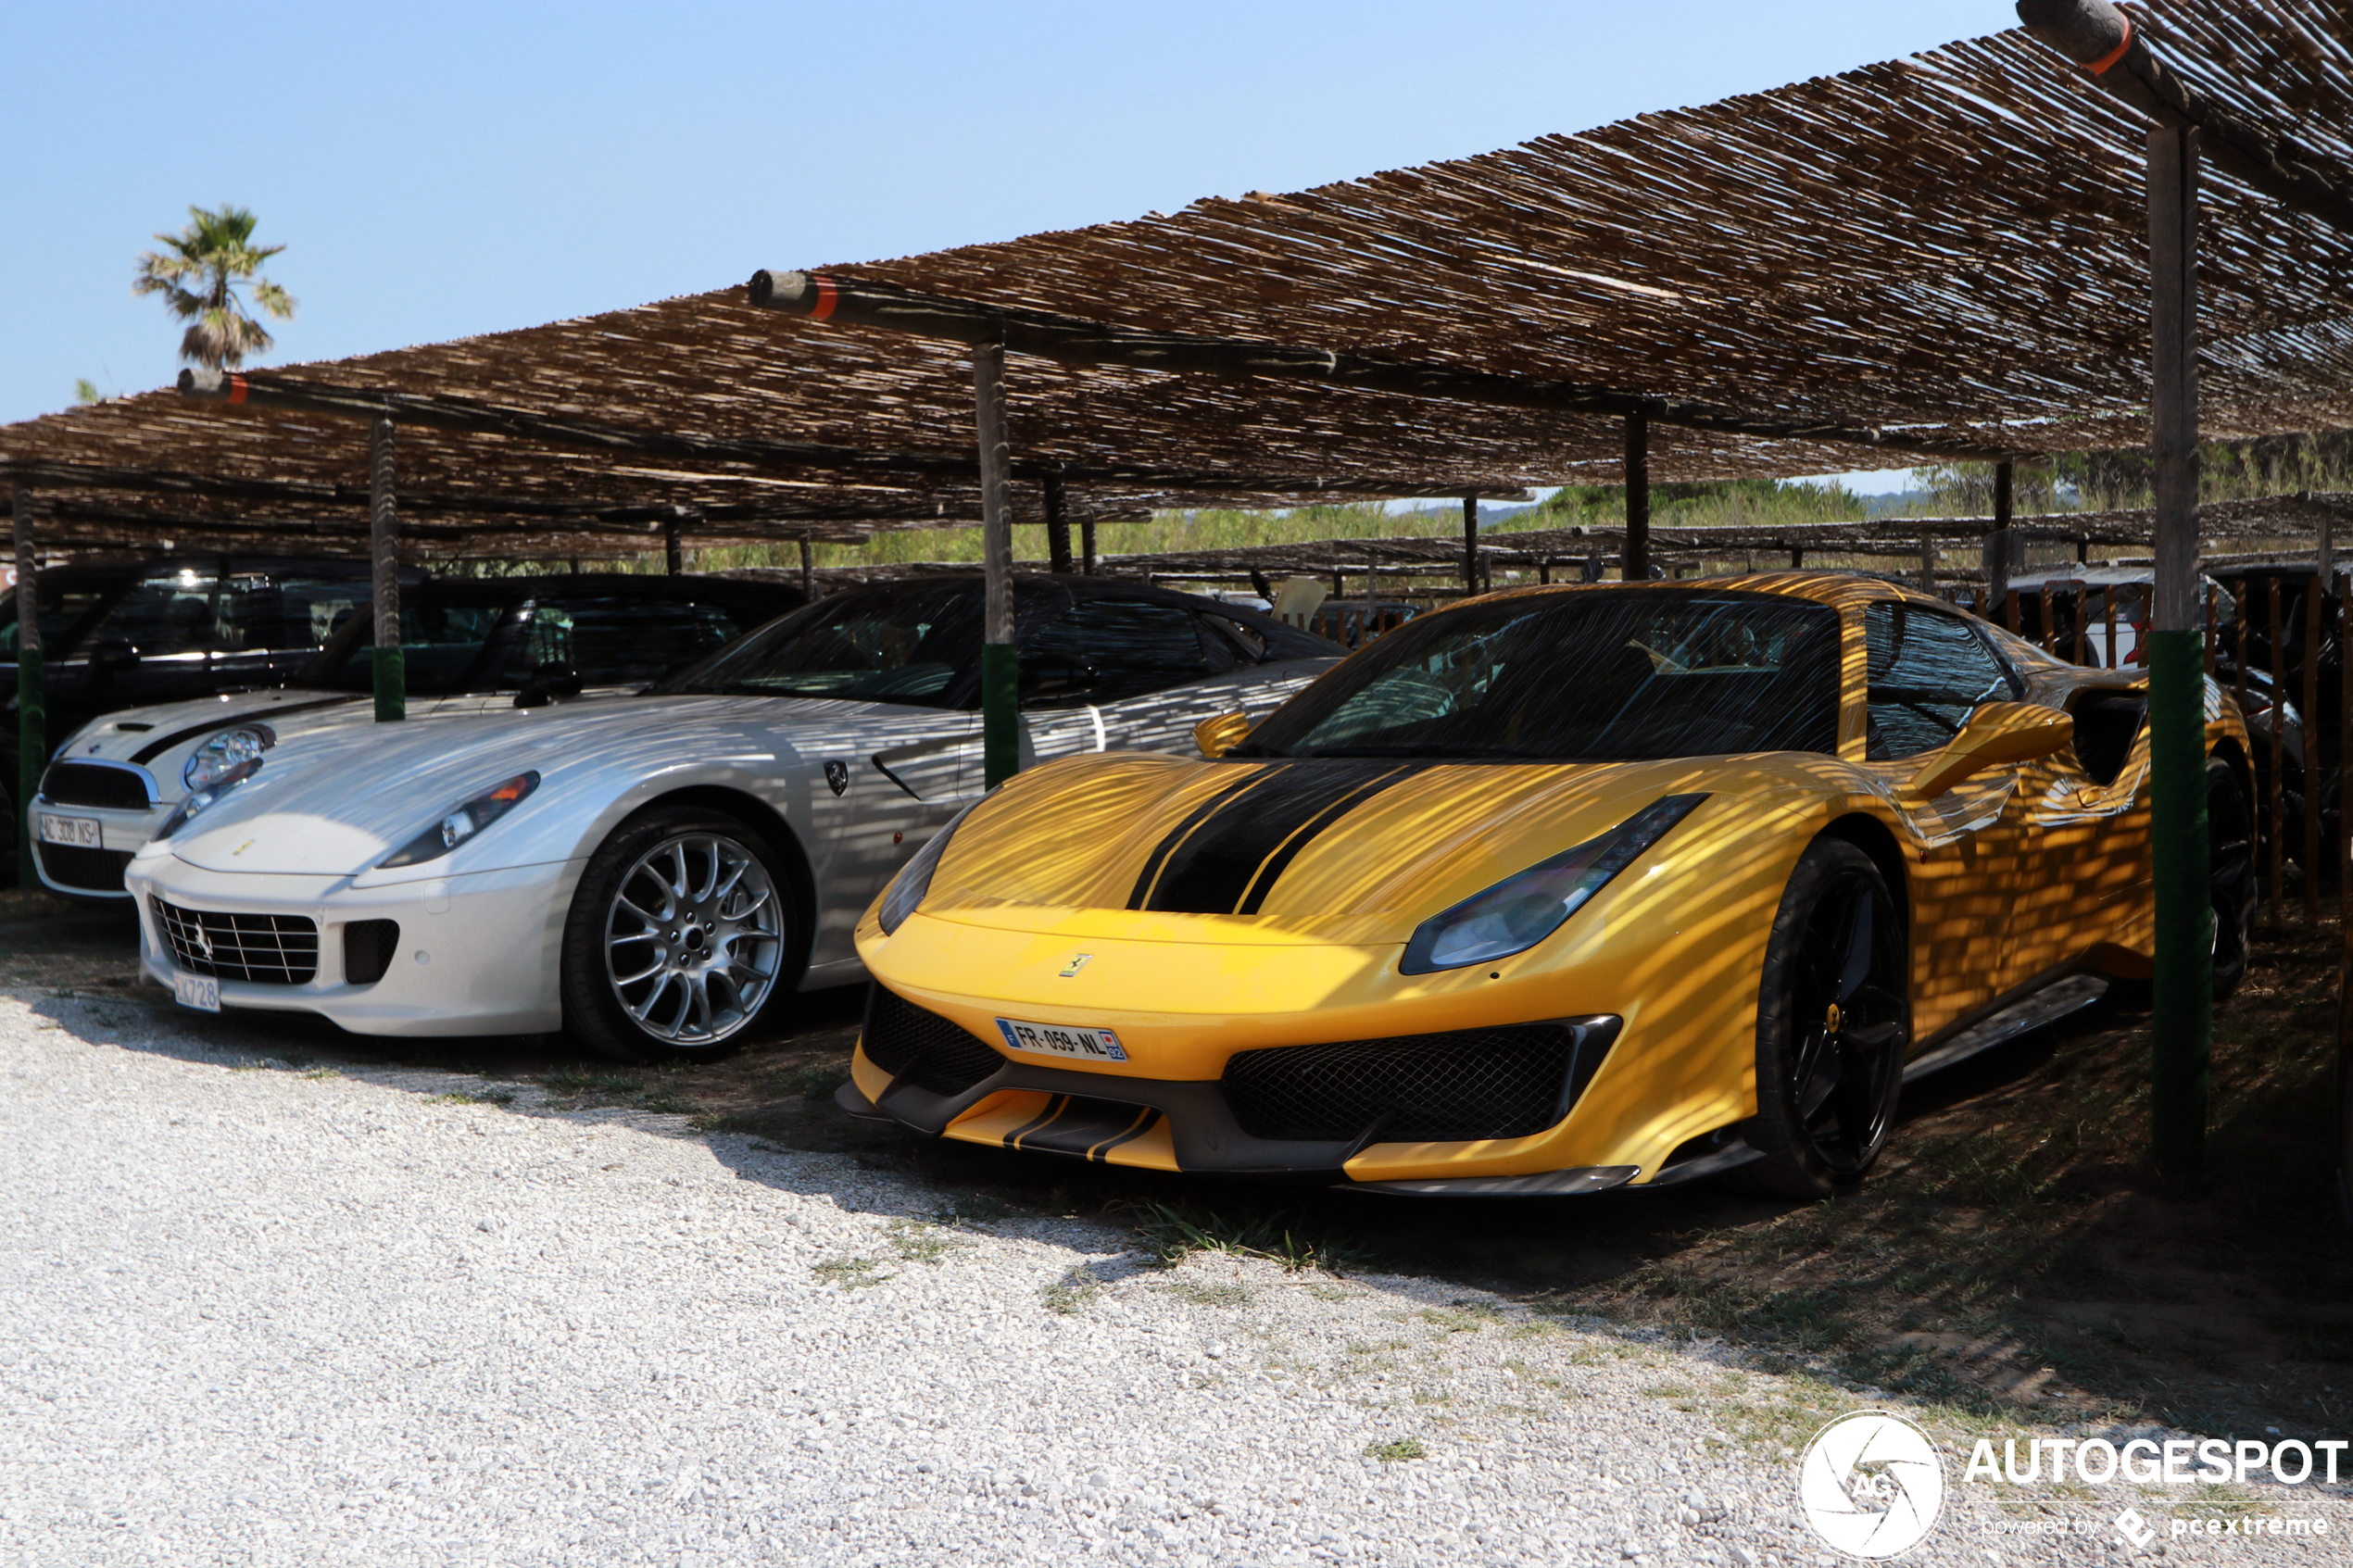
(1524, 908)
(461, 821)
(196, 800)
(907, 889)
(224, 753)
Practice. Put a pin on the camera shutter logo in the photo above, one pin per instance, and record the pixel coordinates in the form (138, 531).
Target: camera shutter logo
(1871, 1484)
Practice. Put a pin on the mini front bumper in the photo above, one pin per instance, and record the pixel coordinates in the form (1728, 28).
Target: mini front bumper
(94, 872)
(477, 954)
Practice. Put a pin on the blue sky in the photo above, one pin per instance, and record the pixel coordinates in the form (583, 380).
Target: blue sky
(436, 170)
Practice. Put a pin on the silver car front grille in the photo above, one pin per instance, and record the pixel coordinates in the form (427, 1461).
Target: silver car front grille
(264, 949)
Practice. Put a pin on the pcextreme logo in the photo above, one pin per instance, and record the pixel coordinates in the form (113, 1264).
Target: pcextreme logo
(1871, 1484)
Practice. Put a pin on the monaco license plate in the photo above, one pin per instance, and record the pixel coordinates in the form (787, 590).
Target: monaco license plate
(1062, 1039)
(83, 833)
(199, 991)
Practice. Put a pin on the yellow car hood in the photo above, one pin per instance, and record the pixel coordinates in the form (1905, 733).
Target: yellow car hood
(1353, 851)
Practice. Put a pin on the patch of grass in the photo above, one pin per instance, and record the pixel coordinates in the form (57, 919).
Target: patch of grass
(1391, 1452)
(579, 1085)
(1226, 1294)
(813, 1080)
(1172, 1233)
(297, 1060)
(852, 1274)
(322, 1073)
(668, 1101)
(920, 1241)
(471, 1097)
(1071, 1294)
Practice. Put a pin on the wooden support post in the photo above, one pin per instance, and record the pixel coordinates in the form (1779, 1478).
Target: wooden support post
(808, 567)
(384, 552)
(2182, 1024)
(1086, 541)
(1997, 545)
(1470, 545)
(32, 690)
(2082, 618)
(2107, 609)
(2275, 802)
(2313, 626)
(673, 559)
(999, 663)
(1927, 563)
(1635, 565)
(2344, 817)
(2213, 631)
(1057, 525)
(2049, 636)
(1545, 572)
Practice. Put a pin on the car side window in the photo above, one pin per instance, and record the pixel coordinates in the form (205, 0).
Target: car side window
(1929, 671)
(264, 613)
(168, 614)
(615, 641)
(1102, 650)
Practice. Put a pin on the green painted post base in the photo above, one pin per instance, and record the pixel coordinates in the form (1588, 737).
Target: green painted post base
(32, 756)
(392, 686)
(1000, 712)
(2184, 999)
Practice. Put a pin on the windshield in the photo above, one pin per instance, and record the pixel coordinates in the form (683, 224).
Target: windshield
(885, 644)
(1583, 677)
(439, 645)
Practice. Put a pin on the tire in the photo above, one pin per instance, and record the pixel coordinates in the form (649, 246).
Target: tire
(1834, 1022)
(2230, 835)
(684, 940)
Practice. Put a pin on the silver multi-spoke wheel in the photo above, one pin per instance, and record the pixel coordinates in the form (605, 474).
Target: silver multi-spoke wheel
(693, 939)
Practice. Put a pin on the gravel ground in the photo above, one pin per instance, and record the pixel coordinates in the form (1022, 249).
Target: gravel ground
(259, 1314)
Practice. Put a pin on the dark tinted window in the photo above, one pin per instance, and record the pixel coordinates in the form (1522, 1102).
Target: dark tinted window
(440, 644)
(1928, 673)
(1102, 650)
(614, 640)
(890, 644)
(168, 613)
(63, 605)
(1581, 677)
(261, 612)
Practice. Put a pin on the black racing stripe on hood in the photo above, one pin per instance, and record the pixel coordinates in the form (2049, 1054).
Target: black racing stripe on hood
(1224, 859)
(156, 748)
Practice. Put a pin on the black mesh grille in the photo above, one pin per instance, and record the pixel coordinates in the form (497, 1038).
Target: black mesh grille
(265, 949)
(927, 1051)
(1437, 1088)
(368, 947)
(94, 871)
(87, 784)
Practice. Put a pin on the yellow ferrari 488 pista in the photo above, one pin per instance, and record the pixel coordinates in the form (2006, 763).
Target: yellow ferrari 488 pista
(1552, 891)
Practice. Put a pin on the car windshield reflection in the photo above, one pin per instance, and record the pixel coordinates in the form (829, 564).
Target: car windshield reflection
(1586, 677)
(884, 644)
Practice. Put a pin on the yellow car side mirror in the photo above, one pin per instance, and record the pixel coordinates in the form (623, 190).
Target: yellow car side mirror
(1997, 735)
(1219, 735)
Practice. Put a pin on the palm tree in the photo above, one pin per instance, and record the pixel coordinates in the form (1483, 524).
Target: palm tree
(198, 277)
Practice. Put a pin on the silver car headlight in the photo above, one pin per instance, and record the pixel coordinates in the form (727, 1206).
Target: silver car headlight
(462, 821)
(224, 753)
(195, 801)
(1524, 908)
(907, 889)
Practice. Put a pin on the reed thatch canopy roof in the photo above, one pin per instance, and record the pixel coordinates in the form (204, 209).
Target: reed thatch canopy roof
(1948, 248)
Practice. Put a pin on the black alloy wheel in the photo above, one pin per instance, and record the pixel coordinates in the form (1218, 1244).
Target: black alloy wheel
(1834, 1023)
(2230, 836)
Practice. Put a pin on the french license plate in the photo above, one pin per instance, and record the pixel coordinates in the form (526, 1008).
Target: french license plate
(199, 991)
(81, 832)
(1061, 1039)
